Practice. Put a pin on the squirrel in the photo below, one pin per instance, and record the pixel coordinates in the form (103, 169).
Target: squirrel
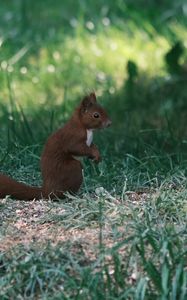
(60, 166)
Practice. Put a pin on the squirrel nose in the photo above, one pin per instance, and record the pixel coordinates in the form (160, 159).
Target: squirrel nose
(108, 123)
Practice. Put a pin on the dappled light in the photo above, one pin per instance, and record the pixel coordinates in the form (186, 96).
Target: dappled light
(123, 235)
(96, 48)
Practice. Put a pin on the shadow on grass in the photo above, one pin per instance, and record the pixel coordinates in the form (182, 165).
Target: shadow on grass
(145, 147)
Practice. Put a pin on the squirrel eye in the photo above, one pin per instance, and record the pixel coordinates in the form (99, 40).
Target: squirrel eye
(96, 115)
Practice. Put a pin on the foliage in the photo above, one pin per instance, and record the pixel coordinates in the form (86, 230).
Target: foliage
(124, 235)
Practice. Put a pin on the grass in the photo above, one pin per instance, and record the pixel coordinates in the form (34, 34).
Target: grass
(140, 253)
(124, 235)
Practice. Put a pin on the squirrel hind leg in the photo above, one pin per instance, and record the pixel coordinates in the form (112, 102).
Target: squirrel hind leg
(73, 182)
(68, 180)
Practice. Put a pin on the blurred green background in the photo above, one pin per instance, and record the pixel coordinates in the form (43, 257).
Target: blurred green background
(132, 53)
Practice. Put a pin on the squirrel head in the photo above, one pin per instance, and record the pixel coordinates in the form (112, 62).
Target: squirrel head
(92, 114)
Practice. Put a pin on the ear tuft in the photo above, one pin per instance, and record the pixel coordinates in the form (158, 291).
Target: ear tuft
(88, 101)
(92, 96)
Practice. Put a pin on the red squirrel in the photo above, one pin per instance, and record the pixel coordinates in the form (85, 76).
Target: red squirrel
(60, 167)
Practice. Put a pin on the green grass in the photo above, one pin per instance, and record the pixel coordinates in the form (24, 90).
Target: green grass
(124, 235)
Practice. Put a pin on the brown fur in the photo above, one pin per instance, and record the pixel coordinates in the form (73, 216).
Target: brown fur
(61, 172)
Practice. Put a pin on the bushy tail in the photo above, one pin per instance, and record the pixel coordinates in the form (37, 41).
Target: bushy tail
(18, 190)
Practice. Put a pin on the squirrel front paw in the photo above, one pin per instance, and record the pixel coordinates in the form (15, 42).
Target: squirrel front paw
(95, 154)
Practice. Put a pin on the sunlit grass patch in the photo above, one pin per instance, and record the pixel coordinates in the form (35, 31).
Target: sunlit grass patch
(82, 62)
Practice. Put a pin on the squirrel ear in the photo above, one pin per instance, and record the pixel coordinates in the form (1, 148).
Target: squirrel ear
(92, 96)
(88, 101)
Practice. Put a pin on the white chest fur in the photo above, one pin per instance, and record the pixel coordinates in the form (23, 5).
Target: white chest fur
(89, 137)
